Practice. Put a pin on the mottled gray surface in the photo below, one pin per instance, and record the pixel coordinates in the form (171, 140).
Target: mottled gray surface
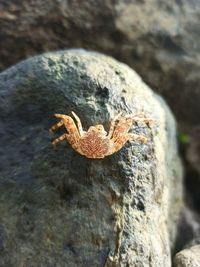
(61, 209)
(189, 257)
(159, 39)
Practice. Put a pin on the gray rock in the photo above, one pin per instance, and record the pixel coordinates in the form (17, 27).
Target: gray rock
(161, 41)
(59, 208)
(188, 257)
(190, 226)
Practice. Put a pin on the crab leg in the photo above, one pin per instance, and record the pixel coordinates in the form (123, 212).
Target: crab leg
(62, 137)
(136, 137)
(125, 124)
(121, 128)
(122, 123)
(120, 142)
(113, 124)
(69, 125)
(73, 134)
(136, 118)
(55, 126)
(140, 114)
(80, 128)
(69, 138)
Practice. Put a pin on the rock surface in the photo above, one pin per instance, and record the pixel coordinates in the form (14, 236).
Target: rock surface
(188, 257)
(61, 209)
(159, 39)
(190, 226)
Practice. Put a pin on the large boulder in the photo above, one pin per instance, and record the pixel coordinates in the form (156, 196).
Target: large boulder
(59, 208)
(159, 39)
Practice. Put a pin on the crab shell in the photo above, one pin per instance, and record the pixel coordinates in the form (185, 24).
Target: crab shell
(96, 143)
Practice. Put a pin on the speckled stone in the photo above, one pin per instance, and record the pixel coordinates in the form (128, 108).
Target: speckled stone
(59, 208)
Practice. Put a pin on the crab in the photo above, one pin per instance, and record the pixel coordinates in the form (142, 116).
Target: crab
(96, 143)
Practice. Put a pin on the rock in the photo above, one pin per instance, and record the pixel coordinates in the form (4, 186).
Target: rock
(190, 226)
(161, 42)
(188, 257)
(59, 208)
(158, 41)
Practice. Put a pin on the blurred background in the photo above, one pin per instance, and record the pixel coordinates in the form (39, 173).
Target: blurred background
(157, 38)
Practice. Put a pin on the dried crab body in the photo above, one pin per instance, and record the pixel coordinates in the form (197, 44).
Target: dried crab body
(96, 142)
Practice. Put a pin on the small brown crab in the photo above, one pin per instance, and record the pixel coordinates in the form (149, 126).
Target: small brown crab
(96, 143)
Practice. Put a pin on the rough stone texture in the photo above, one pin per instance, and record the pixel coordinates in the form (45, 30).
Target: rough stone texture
(188, 257)
(61, 209)
(159, 39)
